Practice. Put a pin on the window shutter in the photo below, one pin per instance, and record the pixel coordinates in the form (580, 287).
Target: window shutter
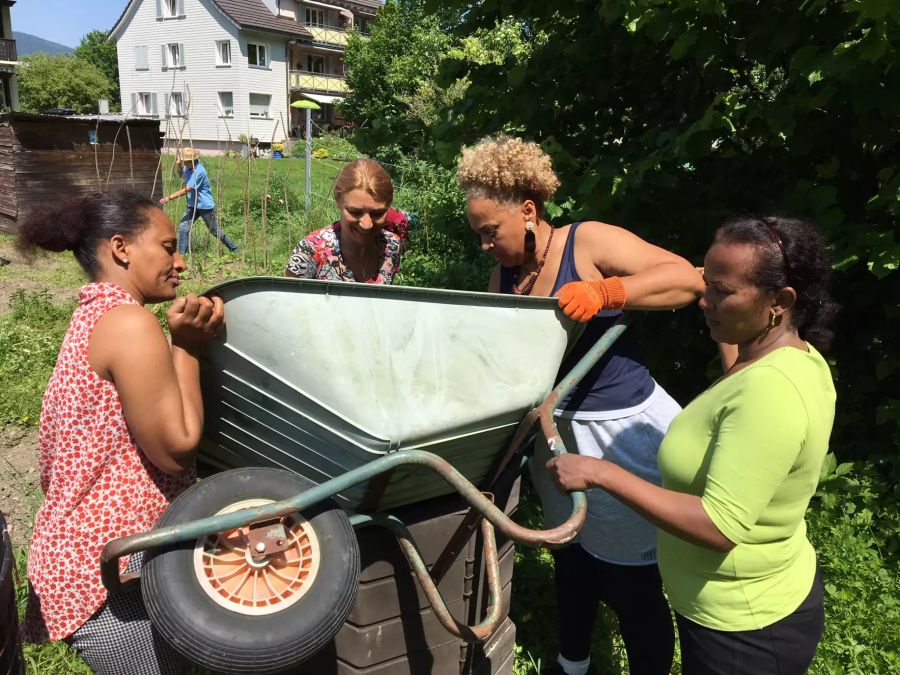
(153, 108)
(168, 105)
(180, 8)
(181, 55)
(165, 57)
(140, 58)
(134, 110)
(159, 9)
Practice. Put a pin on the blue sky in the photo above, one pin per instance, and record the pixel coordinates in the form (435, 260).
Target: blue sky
(65, 21)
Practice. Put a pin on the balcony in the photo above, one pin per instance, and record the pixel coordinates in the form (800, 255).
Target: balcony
(8, 50)
(331, 36)
(319, 82)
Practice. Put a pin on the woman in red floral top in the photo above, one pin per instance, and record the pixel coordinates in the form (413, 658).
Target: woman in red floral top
(365, 245)
(120, 420)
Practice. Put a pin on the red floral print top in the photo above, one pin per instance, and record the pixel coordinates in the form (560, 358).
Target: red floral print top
(97, 483)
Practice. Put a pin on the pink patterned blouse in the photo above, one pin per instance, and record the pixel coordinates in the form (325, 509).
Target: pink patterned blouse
(97, 483)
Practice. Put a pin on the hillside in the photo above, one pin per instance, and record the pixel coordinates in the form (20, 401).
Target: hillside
(29, 44)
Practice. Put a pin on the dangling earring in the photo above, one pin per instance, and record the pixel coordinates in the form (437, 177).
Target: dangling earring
(773, 317)
(530, 241)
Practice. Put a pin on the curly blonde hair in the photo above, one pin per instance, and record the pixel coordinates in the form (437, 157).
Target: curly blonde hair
(507, 169)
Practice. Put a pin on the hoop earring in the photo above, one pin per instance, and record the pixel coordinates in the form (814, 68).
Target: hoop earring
(530, 241)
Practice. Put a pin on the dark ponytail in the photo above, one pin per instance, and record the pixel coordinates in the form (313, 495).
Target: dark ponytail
(81, 224)
(790, 252)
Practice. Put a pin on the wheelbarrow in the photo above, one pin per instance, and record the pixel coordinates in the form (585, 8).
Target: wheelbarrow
(327, 407)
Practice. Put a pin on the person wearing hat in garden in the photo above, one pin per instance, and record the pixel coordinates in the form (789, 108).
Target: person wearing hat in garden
(200, 202)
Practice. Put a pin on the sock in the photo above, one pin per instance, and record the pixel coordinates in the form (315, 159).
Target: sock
(574, 667)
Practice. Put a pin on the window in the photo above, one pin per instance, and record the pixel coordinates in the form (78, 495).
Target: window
(259, 105)
(226, 104)
(258, 55)
(143, 103)
(315, 64)
(315, 17)
(175, 107)
(141, 58)
(223, 52)
(173, 56)
(169, 9)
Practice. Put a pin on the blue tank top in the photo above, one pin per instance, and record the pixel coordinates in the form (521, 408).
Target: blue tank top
(620, 380)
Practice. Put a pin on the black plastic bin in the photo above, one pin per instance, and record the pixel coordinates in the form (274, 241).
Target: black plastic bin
(10, 648)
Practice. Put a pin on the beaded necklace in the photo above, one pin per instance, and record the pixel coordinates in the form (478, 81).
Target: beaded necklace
(533, 277)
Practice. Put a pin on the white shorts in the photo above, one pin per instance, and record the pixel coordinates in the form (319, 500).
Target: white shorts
(630, 438)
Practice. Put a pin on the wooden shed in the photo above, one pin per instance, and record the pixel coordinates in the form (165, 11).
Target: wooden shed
(45, 158)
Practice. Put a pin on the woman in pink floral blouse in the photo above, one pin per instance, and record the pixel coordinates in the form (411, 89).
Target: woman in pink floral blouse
(365, 245)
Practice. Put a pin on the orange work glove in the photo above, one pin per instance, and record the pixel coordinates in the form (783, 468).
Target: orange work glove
(581, 300)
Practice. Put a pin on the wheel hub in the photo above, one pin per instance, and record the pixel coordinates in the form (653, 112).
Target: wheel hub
(260, 569)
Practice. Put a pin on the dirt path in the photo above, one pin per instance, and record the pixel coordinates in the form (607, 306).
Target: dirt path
(36, 275)
(20, 490)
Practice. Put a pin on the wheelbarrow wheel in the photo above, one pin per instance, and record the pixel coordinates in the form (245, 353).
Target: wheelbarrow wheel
(229, 610)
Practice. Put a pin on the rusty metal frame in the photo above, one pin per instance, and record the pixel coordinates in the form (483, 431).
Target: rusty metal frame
(177, 534)
(495, 614)
(542, 414)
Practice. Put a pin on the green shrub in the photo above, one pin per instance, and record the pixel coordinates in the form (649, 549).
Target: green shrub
(327, 145)
(848, 522)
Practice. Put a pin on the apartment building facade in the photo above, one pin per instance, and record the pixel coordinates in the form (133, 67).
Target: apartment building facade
(317, 62)
(218, 72)
(9, 90)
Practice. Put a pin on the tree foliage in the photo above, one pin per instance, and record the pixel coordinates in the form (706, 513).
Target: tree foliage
(60, 81)
(395, 96)
(668, 117)
(96, 48)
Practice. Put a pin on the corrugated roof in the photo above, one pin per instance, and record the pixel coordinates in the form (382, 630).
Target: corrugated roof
(254, 14)
(62, 119)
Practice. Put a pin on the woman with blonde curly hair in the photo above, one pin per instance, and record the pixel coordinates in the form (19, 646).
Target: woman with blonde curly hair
(617, 413)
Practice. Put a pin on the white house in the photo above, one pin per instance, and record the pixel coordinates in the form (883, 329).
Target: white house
(211, 70)
(9, 91)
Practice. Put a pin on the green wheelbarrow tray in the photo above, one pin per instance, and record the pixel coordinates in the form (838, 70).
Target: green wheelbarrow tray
(321, 378)
(382, 396)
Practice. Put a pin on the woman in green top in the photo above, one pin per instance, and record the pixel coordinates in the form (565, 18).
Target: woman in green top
(741, 462)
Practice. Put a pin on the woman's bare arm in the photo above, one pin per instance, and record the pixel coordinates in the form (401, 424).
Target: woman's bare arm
(158, 385)
(675, 512)
(654, 278)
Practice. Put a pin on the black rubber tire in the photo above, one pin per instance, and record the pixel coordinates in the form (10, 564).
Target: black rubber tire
(228, 642)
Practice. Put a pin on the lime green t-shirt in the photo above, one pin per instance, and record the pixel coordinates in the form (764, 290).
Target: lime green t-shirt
(751, 446)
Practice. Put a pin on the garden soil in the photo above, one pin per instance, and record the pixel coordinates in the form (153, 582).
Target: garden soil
(16, 261)
(20, 489)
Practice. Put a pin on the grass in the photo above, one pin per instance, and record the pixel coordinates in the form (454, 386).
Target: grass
(234, 177)
(30, 335)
